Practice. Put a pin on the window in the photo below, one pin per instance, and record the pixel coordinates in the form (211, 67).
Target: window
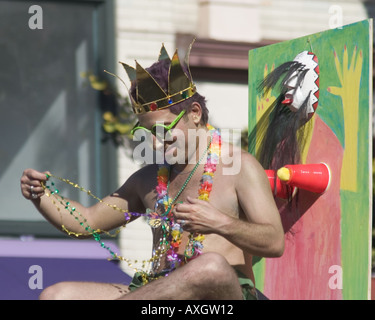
(50, 117)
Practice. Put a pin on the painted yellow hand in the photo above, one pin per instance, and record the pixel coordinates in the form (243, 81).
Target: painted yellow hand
(349, 75)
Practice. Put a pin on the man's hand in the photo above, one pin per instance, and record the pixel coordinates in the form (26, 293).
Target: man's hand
(31, 184)
(199, 216)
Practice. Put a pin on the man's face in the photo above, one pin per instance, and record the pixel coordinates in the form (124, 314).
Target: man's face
(167, 131)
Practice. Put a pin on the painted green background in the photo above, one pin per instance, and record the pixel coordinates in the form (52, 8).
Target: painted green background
(355, 206)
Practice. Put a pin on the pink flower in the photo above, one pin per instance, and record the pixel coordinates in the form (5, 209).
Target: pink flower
(216, 139)
(161, 190)
(210, 167)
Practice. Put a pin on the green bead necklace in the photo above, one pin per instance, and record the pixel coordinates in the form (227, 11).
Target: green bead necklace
(186, 181)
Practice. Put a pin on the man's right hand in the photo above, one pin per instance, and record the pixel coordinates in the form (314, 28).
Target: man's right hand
(31, 183)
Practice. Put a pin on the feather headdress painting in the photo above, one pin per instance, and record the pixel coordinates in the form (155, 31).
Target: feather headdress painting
(278, 133)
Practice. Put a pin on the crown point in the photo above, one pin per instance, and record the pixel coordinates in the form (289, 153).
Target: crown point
(149, 95)
(163, 55)
(131, 72)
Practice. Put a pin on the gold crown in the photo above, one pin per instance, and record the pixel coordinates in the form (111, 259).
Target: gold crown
(149, 94)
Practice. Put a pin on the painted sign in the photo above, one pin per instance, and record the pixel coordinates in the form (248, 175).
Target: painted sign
(327, 236)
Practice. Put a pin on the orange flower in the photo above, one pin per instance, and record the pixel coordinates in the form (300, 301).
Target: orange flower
(162, 179)
(175, 244)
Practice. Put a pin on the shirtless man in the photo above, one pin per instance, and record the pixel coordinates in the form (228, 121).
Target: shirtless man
(239, 220)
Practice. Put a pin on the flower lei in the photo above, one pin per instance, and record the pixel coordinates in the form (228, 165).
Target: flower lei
(171, 229)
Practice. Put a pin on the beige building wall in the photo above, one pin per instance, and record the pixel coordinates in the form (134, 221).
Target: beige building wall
(142, 25)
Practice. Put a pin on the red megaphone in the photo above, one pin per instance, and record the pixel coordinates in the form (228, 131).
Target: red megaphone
(311, 177)
(279, 189)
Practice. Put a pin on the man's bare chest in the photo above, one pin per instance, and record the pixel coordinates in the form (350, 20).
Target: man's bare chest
(222, 196)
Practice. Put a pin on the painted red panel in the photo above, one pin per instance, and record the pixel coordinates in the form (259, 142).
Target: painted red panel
(313, 231)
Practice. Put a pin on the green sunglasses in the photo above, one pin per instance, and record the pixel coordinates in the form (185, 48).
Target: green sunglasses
(154, 130)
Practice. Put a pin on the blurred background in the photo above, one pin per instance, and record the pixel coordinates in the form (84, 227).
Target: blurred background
(61, 112)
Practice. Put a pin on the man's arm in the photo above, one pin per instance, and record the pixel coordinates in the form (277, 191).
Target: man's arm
(262, 234)
(98, 216)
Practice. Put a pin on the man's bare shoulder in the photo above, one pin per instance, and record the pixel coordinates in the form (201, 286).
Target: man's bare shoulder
(142, 179)
(237, 161)
(251, 174)
(146, 173)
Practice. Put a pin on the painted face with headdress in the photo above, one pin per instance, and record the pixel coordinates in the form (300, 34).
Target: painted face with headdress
(298, 84)
(302, 86)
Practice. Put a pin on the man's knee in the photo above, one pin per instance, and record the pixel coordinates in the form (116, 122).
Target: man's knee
(58, 291)
(212, 267)
(210, 276)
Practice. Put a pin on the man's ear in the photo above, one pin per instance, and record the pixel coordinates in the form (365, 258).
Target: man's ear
(196, 112)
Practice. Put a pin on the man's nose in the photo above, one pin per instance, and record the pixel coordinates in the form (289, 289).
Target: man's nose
(157, 142)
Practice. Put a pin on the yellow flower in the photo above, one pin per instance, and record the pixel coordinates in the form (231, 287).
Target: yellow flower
(109, 127)
(204, 197)
(96, 83)
(176, 235)
(122, 128)
(108, 116)
(199, 237)
(163, 171)
(215, 149)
